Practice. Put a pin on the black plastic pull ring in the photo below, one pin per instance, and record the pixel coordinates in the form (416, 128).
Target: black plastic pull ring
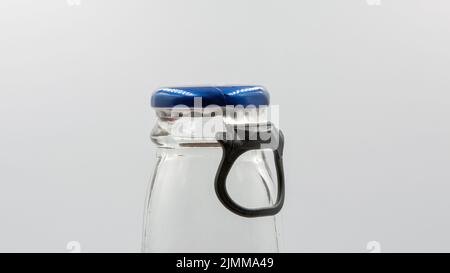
(246, 139)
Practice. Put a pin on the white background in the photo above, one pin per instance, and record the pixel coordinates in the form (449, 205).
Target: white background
(363, 89)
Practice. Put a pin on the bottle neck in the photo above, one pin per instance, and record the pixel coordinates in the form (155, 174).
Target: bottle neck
(189, 127)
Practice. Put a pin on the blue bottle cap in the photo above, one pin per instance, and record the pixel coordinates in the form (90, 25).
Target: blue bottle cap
(244, 95)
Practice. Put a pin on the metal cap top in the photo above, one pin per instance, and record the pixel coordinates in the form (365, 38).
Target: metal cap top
(244, 95)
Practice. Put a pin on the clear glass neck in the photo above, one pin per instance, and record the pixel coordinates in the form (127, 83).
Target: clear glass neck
(190, 127)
